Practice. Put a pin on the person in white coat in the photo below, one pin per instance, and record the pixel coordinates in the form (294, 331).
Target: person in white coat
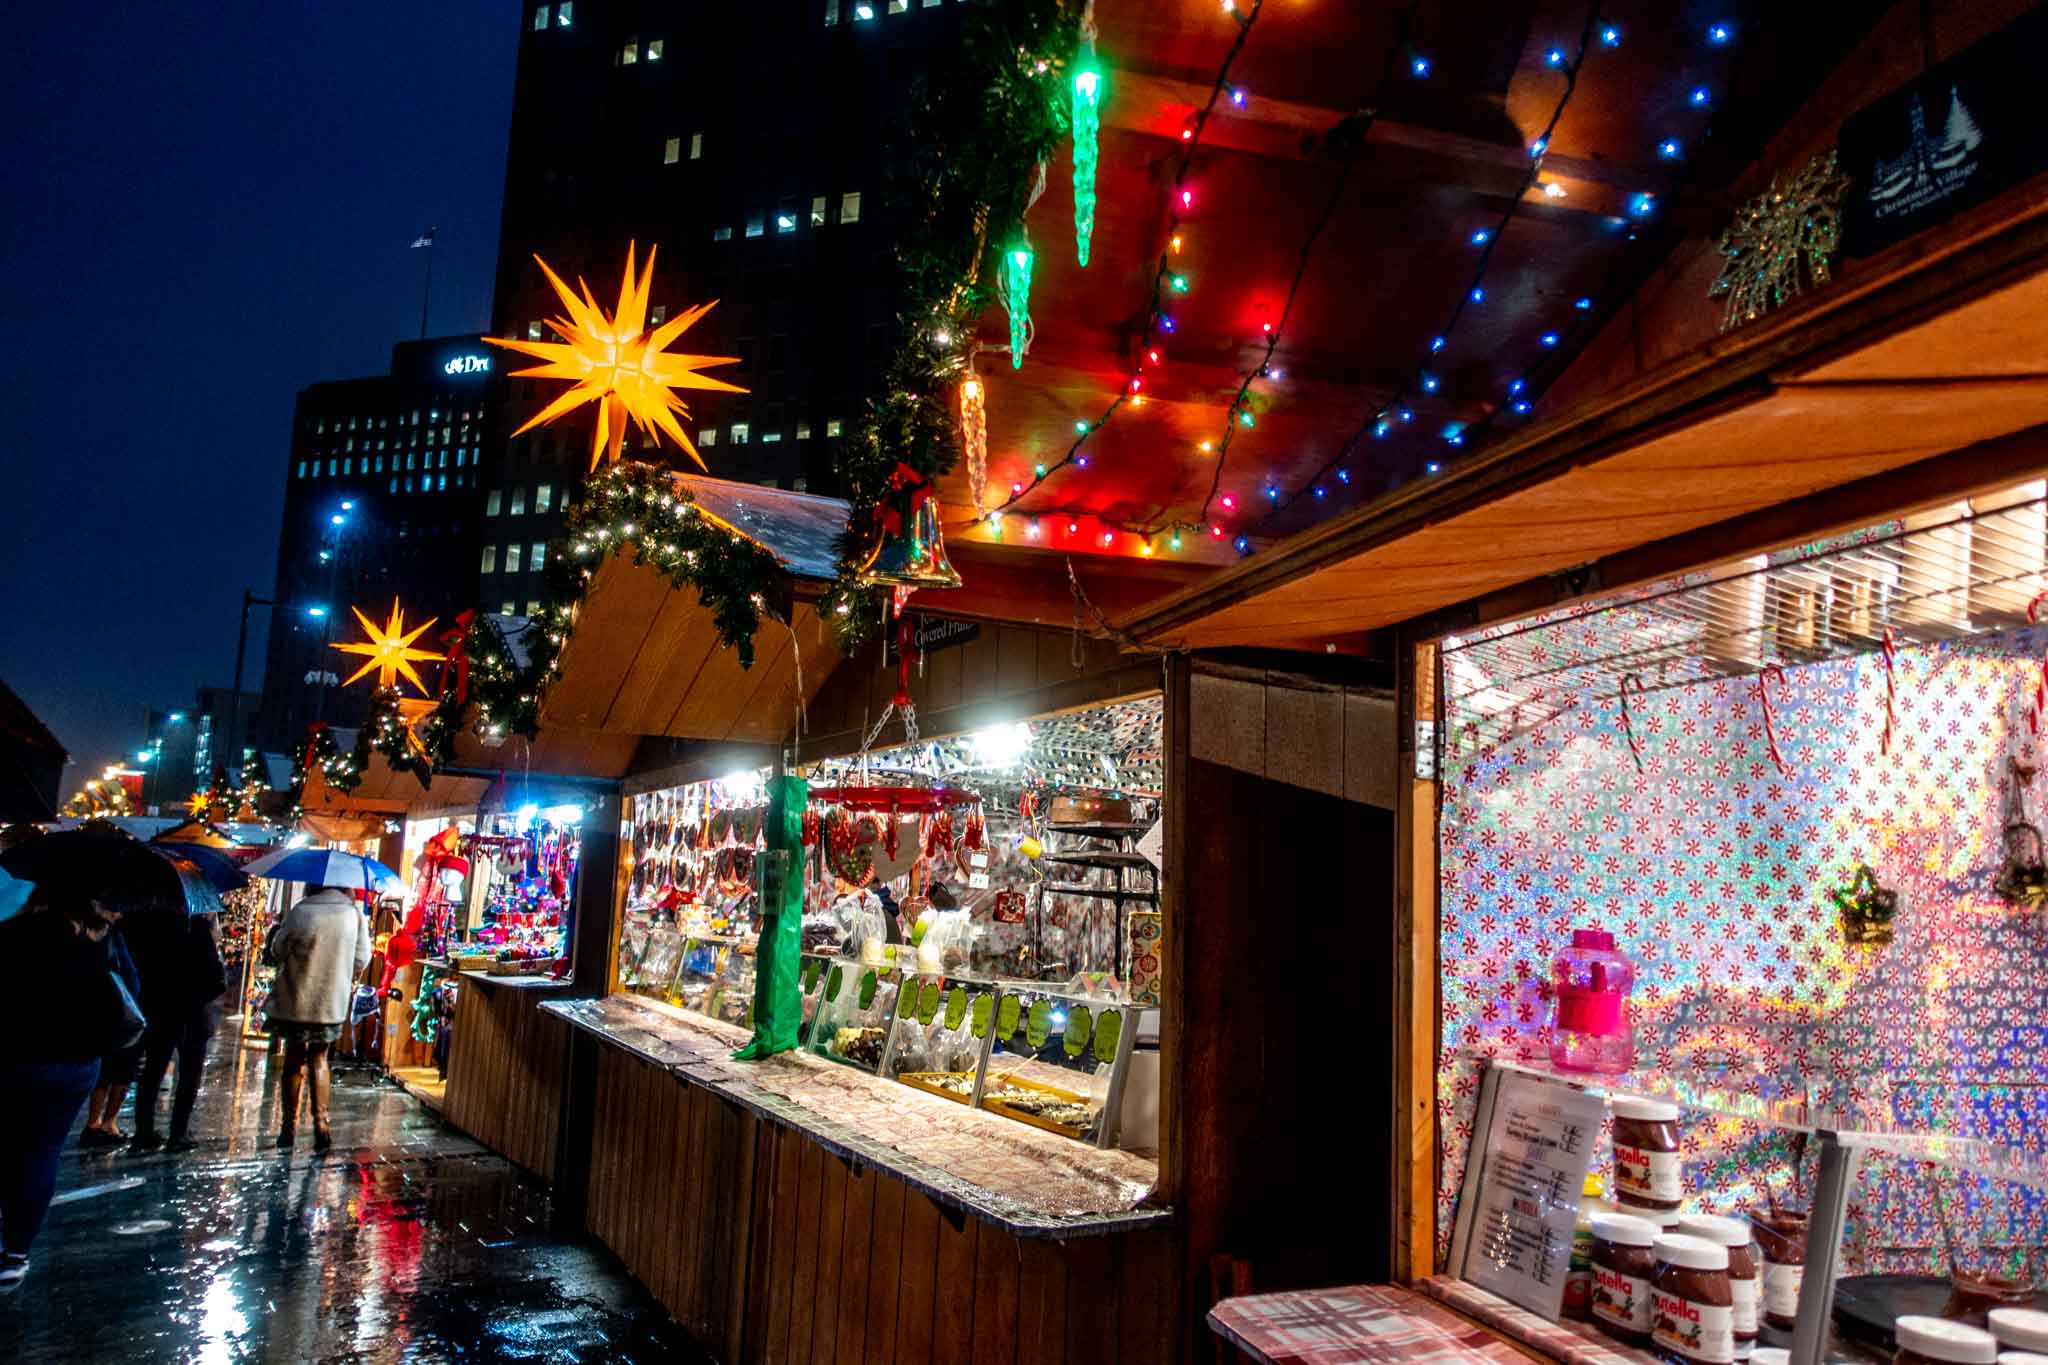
(319, 948)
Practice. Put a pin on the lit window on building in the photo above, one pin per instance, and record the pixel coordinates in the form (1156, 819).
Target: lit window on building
(333, 468)
(817, 210)
(509, 608)
(756, 227)
(696, 146)
(771, 483)
(538, 555)
(532, 334)
(707, 436)
(490, 559)
(863, 11)
(803, 431)
(785, 220)
(739, 433)
(491, 503)
(565, 13)
(654, 49)
(630, 53)
(898, 6)
(512, 559)
(831, 12)
(408, 488)
(849, 207)
(771, 437)
(540, 17)
(799, 483)
(658, 314)
(412, 459)
(394, 486)
(671, 151)
(518, 501)
(533, 606)
(832, 426)
(543, 497)
(440, 483)
(721, 234)
(302, 469)
(348, 466)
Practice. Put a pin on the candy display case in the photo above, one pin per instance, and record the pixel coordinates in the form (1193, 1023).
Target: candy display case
(940, 1037)
(1058, 1062)
(856, 1008)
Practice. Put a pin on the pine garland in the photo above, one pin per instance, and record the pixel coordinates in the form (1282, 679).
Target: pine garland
(979, 131)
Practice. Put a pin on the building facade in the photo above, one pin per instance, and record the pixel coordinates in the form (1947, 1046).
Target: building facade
(383, 487)
(743, 144)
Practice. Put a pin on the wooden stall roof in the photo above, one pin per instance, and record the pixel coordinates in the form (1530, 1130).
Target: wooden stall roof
(555, 752)
(1936, 346)
(385, 791)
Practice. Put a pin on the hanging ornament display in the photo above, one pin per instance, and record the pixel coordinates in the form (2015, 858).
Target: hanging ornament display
(1017, 298)
(2022, 879)
(390, 649)
(617, 363)
(910, 548)
(1781, 241)
(1087, 126)
(974, 438)
(1867, 909)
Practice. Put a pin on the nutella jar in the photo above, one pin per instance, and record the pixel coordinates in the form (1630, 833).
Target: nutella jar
(2020, 1331)
(1770, 1355)
(1936, 1341)
(1692, 1309)
(1781, 1236)
(1744, 1271)
(1622, 1266)
(1646, 1161)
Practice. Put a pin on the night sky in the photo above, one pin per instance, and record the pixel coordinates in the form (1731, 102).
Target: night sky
(208, 207)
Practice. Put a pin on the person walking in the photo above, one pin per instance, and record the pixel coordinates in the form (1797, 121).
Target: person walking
(319, 949)
(117, 1069)
(66, 1006)
(182, 1000)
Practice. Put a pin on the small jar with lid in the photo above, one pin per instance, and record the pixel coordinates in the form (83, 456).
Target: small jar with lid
(1781, 1236)
(1647, 1168)
(2020, 1332)
(1578, 1280)
(1942, 1341)
(1623, 1264)
(1744, 1265)
(1692, 1308)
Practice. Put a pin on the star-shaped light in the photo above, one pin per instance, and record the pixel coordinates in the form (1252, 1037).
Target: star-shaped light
(198, 803)
(389, 649)
(617, 363)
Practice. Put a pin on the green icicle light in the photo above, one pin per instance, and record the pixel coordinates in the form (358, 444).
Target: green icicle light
(1017, 298)
(1087, 88)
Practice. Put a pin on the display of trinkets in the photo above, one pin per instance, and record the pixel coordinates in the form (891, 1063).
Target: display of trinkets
(1867, 909)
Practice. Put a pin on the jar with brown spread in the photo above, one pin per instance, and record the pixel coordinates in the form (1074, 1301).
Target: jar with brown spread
(1646, 1154)
(2019, 1331)
(1781, 1236)
(1942, 1341)
(1692, 1309)
(1622, 1266)
(1744, 1281)
(1972, 1296)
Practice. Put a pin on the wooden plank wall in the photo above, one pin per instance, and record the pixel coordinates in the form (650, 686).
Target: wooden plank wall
(400, 1047)
(770, 1249)
(1285, 807)
(506, 1063)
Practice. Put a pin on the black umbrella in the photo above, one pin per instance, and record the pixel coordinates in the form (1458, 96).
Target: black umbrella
(117, 868)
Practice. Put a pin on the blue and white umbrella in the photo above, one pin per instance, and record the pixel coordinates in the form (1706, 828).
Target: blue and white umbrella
(328, 867)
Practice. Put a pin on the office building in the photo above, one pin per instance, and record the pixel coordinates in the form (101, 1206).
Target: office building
(745, 144)
(382, 490)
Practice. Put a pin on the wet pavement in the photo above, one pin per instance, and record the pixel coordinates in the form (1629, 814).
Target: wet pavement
(406, 1242)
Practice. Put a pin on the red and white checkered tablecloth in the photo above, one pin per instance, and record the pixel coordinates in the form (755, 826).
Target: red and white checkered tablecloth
(1573, 1343)
(1361, 1324)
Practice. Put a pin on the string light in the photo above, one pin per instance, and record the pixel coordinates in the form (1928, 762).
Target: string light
(1669, 149)
(1017, 299)
(1700, 95)
(1610, 36)
(1087, 121)
(1420, 66)
(1719, 33)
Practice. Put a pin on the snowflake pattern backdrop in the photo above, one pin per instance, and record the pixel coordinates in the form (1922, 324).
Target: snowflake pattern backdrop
(1713, 871)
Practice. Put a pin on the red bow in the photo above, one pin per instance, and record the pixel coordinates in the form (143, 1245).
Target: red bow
(455, 654)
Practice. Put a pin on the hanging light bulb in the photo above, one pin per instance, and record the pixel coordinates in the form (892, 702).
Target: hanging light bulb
(1017, 298)
(974, 433)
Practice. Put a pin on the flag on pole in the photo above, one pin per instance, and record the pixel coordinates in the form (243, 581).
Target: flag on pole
(425, 238)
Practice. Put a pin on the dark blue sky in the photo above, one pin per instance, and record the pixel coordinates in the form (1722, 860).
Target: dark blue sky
(208, 207)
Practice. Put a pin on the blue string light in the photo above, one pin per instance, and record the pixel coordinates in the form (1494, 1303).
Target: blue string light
(1436, 343)
(1539, 146)
(1669, 149)
(1554, 57)
(1420, 66)
(1719, 33)
(1700, 96)
(1548, 338)
(1482, 237)
(1584, 305)
(1610, 36)
(1478, 294)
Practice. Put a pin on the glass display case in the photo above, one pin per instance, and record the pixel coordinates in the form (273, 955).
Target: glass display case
(856, 1007)
(941, 1034)
(1058, 1062)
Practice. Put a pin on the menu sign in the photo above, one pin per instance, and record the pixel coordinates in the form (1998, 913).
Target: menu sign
(1521, 1198)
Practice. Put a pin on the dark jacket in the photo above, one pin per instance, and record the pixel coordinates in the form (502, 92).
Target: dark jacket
(180, 967)
(58, 1006)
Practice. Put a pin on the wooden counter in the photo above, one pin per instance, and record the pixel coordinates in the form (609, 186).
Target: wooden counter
(776, 1232)
(506, 1060)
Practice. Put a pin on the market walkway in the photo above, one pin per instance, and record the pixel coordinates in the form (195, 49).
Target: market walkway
(407, 1241)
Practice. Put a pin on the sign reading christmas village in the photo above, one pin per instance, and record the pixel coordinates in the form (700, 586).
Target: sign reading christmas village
(1961, 133)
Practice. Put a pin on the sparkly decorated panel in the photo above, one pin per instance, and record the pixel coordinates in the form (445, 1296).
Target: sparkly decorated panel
(1708, 831)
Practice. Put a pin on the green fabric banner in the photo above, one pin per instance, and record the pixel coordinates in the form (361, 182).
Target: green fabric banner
(778, 999)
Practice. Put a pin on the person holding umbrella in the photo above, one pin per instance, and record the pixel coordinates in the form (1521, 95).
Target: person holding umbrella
(66, 1007)
(319, 949)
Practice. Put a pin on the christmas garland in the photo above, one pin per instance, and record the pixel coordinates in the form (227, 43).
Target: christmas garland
(636, 507)
(980, 130)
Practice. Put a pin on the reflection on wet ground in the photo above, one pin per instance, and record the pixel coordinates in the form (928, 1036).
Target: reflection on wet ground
(407, 1241)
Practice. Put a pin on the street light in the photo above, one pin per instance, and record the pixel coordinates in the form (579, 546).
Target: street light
(338, 519)
(315, 612)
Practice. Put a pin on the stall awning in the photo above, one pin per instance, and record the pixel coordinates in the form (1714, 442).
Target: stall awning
(645, 658)
(384, 791)
(1941, 350)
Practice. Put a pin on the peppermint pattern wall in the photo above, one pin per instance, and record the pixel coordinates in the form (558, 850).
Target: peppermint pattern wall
(1713, 869)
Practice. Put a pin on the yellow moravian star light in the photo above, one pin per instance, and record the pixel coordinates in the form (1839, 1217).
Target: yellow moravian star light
(617, 363)
(390, 649)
